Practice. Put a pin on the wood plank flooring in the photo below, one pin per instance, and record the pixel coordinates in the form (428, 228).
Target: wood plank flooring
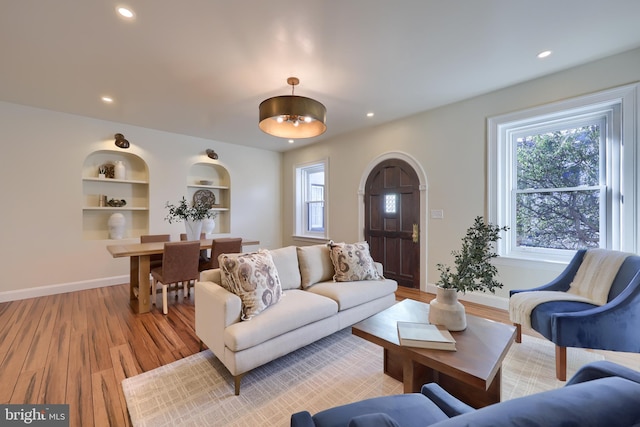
(77, 347)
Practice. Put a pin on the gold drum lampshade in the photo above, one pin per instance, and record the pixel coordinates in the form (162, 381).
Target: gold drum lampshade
(291, 116)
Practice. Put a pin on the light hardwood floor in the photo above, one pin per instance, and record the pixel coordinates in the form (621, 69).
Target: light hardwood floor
(77, 347)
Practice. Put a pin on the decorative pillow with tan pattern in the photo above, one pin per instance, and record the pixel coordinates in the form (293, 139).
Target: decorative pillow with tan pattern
(352, 262)
(254, 278)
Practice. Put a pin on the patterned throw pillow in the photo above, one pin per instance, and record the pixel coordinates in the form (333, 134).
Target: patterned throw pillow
(352, 262)
(254, 278)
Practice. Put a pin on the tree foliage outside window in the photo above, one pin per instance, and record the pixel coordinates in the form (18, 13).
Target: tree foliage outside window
(560, 188)
(563, 176)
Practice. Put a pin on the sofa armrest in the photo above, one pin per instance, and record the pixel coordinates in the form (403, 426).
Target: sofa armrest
(603, 369)
(215, 309)
(448, 404)
(212, 275)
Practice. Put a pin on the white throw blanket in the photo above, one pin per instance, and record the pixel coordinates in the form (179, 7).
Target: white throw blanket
(591, 284)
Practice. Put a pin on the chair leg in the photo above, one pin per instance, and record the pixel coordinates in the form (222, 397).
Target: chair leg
(165, 308)
(518, 332)
(185, 289)
(153, 291)
(561, 363)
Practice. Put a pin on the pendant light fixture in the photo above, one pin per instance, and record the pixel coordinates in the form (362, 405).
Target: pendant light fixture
(291, 116)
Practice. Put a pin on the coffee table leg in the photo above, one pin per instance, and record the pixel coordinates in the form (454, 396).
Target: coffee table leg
(414, 375)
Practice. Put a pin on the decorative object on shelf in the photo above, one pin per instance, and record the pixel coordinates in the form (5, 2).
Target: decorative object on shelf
(107, 169)
(190, 215)
(102, 172)
(204, 197)
(121, 142)
(119, 170)
(116, 226)
(114, 203)
(102, 200)
(212, 154)
(205, 182)
(291, 116)
(474, 272)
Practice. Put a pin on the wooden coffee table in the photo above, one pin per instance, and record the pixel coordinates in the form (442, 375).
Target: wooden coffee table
(472, 373)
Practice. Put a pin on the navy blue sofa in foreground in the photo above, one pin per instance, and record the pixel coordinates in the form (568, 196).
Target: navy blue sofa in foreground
(599, 394)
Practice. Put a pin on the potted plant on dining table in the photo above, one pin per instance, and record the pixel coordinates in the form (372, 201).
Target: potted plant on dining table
(191, 215)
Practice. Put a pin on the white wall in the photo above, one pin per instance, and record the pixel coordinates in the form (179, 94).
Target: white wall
(43, 250)
(450, 144)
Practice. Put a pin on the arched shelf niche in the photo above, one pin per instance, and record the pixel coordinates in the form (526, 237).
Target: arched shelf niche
(133, 188)
(212, 178)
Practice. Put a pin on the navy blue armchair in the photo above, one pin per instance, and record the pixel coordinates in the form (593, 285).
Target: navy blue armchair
(599, 394)
(612, 326)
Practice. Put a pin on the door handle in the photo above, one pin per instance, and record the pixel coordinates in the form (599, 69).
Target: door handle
(415, 236)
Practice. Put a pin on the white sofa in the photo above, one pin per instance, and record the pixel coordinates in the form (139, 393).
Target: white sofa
(312, 306)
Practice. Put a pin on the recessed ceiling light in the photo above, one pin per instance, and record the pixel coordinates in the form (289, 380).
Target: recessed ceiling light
(544, 54)
(107, 99)
(291, 141)
(369, 114)
(125, 12)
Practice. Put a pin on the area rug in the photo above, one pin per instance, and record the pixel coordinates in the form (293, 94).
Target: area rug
(342, 368)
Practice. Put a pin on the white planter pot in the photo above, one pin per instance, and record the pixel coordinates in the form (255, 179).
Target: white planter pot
(193, 229)
(208, 224)
(447, 311)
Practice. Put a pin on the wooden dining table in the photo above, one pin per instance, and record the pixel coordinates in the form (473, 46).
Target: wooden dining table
(139, 255)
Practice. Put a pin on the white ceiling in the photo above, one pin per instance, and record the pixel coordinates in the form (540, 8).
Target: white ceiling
(201, 67)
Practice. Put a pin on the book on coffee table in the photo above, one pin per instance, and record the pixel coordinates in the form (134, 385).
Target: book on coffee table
(425, 335)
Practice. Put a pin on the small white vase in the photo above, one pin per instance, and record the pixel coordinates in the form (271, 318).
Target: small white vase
(208, 224)
(116, 226)
(193, 229)
(447, 311)
(118, 170)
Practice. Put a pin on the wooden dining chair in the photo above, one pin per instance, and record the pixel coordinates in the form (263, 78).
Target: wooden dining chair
(223, 245)
(179, 266)
(203, 252)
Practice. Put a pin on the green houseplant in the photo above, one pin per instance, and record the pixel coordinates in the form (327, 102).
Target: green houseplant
(473, 268)
(191, 215)
(184, 212)
(473, 272)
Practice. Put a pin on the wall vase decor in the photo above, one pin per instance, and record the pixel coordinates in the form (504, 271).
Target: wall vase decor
(208, 224)
(119, 170)
(446, 310)
(116, 226)
(193, 229)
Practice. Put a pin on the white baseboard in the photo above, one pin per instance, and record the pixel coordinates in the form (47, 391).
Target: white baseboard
(62, 288)
(478, 298)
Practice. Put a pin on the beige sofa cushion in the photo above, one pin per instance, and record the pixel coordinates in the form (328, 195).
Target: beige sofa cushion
(296, 309)
(352, 294)
(352, 262)
(286, 261)
(315, 264)
(254, 278)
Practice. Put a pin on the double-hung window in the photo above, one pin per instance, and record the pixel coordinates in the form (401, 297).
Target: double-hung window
(311, 193)
(562, 176)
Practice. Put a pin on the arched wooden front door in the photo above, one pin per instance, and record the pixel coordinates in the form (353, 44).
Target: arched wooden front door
(392, 220)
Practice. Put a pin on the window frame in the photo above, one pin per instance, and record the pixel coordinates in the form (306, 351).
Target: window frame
(302, 202)
(621, 228)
